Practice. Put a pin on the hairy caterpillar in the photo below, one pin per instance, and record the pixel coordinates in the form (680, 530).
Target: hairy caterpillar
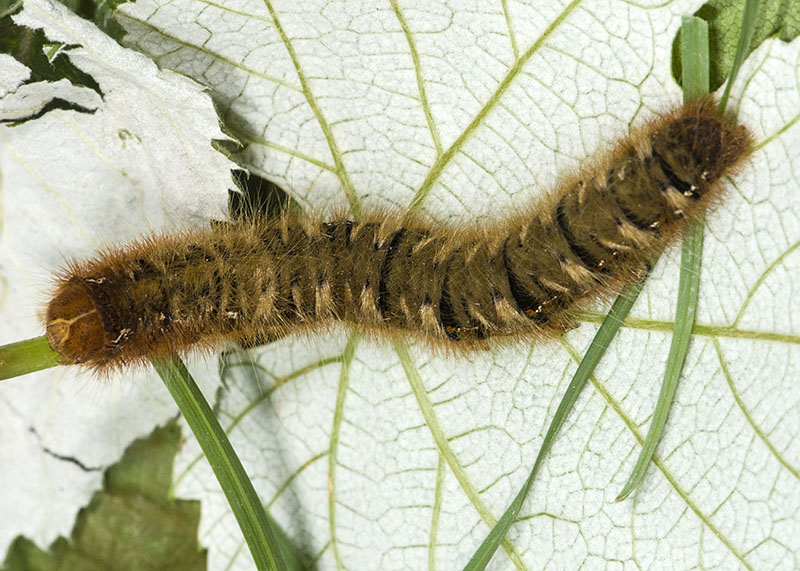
(458, 287)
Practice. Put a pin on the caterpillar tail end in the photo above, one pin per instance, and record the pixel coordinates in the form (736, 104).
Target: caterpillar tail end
(74, 325)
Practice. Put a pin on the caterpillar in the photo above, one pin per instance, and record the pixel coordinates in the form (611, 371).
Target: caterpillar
(457, 287)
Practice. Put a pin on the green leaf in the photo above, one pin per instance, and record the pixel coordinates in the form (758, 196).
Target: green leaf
(132, 524)
(775, 18)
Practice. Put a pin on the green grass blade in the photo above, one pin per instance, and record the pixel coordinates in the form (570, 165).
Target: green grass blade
(260, 531)
(694, 54)
(748, 26)
(25, 357)
(607, 331)
(686, 308)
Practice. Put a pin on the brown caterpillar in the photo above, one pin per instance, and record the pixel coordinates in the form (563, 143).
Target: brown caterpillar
(456, 287)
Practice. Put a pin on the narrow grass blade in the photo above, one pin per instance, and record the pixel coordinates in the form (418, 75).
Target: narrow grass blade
(268, 545)
(694, 53)
(746, 36)
(607, 331)
(695, 58)
(686, 308)
(25, 357)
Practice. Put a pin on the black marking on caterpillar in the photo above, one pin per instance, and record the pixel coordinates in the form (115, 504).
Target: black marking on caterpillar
(458, 288)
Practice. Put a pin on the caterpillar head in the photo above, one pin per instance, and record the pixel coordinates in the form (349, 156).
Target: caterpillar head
(74, 324)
